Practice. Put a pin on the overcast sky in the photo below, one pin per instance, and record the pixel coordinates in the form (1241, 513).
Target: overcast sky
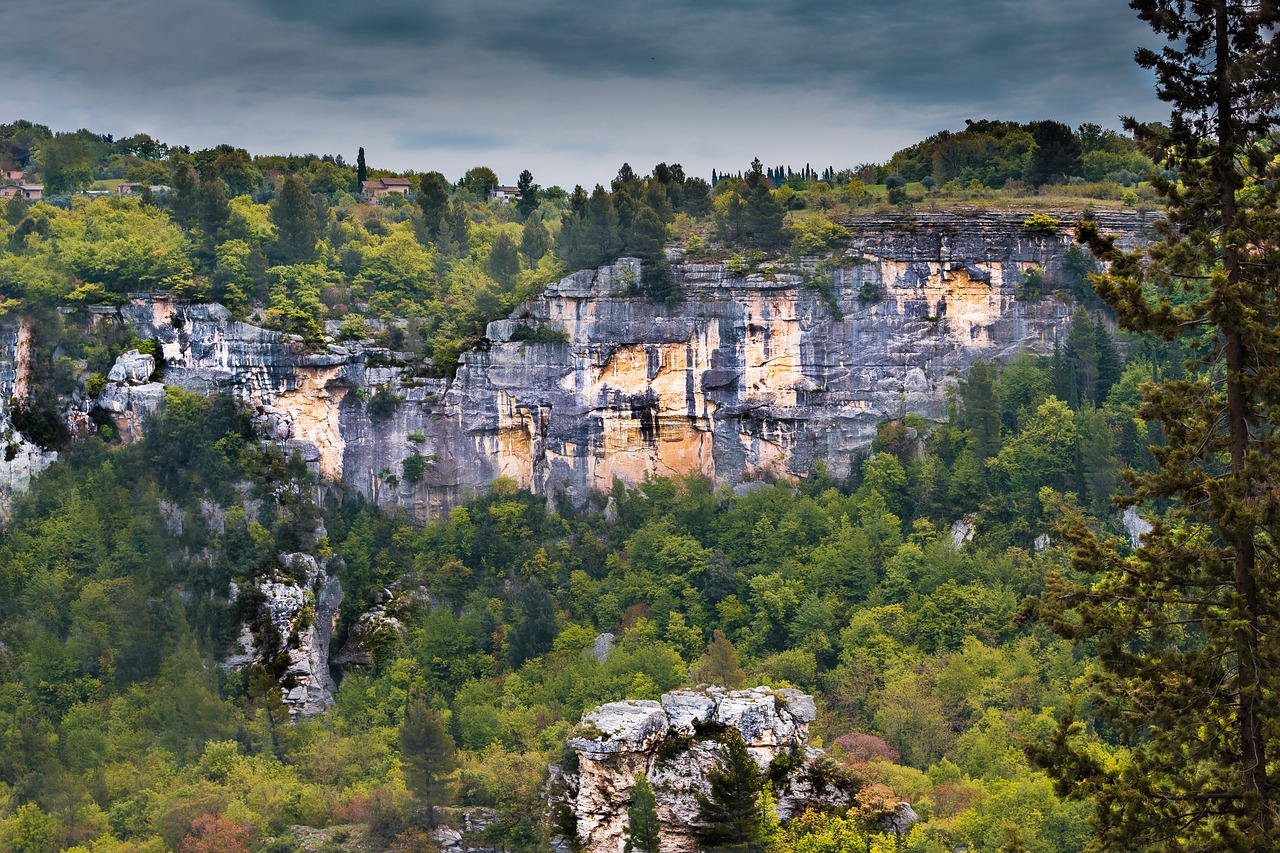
(569, 89)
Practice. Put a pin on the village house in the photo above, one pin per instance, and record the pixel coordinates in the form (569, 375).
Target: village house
(379, 187)
(31, 192)
(503, 194)
(12, 174)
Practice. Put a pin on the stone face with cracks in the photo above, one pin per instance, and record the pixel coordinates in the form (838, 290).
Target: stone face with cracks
(751, 375)
(673, 743)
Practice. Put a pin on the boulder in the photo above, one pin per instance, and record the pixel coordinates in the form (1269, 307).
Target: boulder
(132, 368)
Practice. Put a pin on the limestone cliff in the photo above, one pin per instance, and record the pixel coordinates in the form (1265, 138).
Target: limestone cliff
(755, 373)
(674, 743)
(21, 460)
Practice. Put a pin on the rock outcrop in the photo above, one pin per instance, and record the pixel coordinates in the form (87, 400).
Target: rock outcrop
(21, 460)
(298, 614)
(673, 743)
(756, 372)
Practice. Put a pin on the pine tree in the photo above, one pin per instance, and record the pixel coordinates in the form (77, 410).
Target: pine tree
(729, 815)
(503, 263)
(528, 201)
(1110, 365)
(981, 411)
(535, 240)
(1082, 353)
(644, 832)
(427, 752)
(1186, 627)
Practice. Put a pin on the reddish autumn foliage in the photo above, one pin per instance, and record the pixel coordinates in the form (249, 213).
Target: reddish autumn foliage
(860, 748)
(216, 834)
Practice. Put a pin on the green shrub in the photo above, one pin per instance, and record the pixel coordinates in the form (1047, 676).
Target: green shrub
(1040, 223)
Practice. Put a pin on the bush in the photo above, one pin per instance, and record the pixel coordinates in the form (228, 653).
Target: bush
(383, 404)
(539, 335)
(414, 466)
(1040, 223)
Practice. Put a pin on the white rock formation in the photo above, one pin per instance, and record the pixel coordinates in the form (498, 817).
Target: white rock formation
(674, 744)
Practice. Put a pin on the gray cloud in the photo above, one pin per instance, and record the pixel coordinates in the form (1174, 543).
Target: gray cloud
(570, 88)
(448, 139)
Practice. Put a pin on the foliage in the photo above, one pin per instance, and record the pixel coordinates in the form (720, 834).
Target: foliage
(642, 834)
(729, 814)
(1041, 223)
(1184, 625)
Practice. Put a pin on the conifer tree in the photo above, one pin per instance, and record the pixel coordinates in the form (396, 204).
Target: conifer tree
(295, 219)
(362, 170)
(982, 414)
(528, 201)
(643, 829)
(1082, 353)
(729, 815)
(1186, 627)
(427, 752)
(433, 199)
(720, 665)
(535, 240)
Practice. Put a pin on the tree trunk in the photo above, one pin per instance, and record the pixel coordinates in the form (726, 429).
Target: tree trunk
(1253, 758)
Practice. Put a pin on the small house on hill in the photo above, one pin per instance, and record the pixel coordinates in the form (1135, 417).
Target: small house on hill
(379, 187)
(13, 174)
(503, 194)
(31, 192)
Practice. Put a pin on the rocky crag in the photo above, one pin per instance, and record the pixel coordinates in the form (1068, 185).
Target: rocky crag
(300, 609)
(758, 372)
(674, 743)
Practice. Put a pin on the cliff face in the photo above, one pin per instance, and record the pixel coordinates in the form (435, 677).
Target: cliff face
(674, 744)
(20, 460)
(668, 743)
(755, 373)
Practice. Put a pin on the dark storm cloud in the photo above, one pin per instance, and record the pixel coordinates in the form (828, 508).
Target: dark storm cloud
(571, 82)
(411, 21)
(923, 52)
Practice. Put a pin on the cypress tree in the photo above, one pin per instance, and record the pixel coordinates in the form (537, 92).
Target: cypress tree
(362, 171)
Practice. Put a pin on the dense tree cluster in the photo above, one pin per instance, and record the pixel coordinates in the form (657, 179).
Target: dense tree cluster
(115, 724)
(994, 153)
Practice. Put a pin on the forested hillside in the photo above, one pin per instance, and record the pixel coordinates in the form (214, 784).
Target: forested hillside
(119, 735)
(903, 597)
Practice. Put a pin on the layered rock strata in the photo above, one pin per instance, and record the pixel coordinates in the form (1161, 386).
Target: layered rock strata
(756, 373)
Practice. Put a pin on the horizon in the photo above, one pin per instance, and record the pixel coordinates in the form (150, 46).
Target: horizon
(565, 90)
